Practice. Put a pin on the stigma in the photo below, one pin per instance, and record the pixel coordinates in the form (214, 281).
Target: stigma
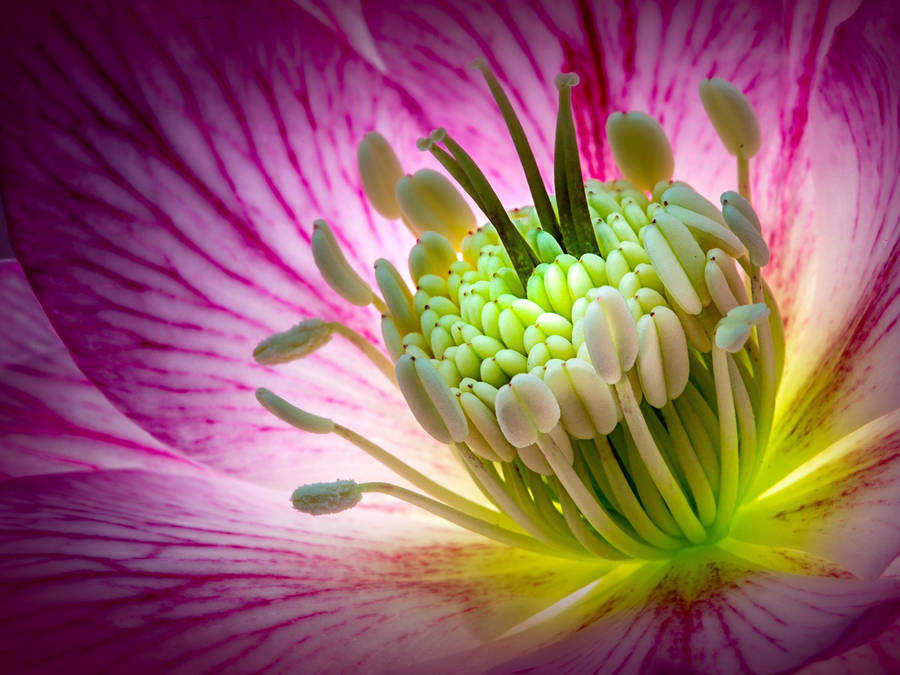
(603, 361)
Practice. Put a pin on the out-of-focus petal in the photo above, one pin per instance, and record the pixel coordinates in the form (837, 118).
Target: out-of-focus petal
(706, 613)
(844, 505)
(147, 572)
(51, 418)
(171, 159)
(837, 269)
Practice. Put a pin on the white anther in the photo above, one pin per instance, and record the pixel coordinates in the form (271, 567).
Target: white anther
(335, 269)
(294, 343)
(430, 399)
(673, 342)
(733, 329)
(319, 499)
(732, 116)
(292, 414)
(686, 249)
(743, 221)
(595, 395)
(433, 254)
(573, 415)
(650, 363)
(430, 202)
(722, 296)
(484, 423)
(525, 408)
(711, 231)
(534, 459)
(640, 148)
(669, 270)
(682, 194)
(380, 170)
(396, 295)
(610, 334)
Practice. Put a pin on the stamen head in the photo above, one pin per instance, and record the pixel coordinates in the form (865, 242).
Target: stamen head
(379, 170)
(295, 343)
(319, 499)
(641, 149)
(732, 116)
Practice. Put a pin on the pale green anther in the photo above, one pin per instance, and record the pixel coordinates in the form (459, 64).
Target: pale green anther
(670, 271)
(467, 361)
(534, 459)
(443, 306)
(489, 262)
(634, 307)
(603, 202)
(554, 324)
(686, 250)
(460, 267)
(526, 408)
(734, 329)
(732, 116)
(634, 254)
(648, 298)
(441, 340)
(450, 353)
(578, 333)
(429, 398)
(379, 170)
(420, 299)
(482, 288)
(430, 202)
(448, 320)
(448, 371)
(634, 214)
(579, 307)
(640, 148)
(511, 279)
(492, 373)
(728, 268)
(629, 285)
(428, 321)
(722, 296)
(621, 228)
(538, 355)
(650, 363)
(708, 232)
(432, 254)
(512, 330)
(557, 289)
(676, 365)
(393, 341)
(511, 362)
(463, 332)
(335, 269)
(527, 311)
(433, 285)
(649, 278)
(596, 268)
(560, 347)
(610, 335)
(532, 336)
(616, 266)
(606, 238)
(486, 346)
(486, 392)
(319, 499)
(490, 320)
(499, 287)
(483, 419)
(683, 195)
(743, 221)
(454, 283)
(294, 343)
(547, 247)
(417, 341)
(396, 294)
(471, 307)
(536, 291)
(293, 415)
(578, 280)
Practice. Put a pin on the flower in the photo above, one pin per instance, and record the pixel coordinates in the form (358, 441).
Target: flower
(160, 170)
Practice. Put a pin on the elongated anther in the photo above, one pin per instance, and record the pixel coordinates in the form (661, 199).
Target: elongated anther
(396, 295)
(430, 399)
(430, 202)
(670, 271)
(292, 414)
(743, 221)
(433, 254)
(379, 170)
(610, 334)
(526, 408)
(319, 499)
(733, 329)
(640, 148)
(294, 343)
(335, 269)
(732, 116)
(485, 423)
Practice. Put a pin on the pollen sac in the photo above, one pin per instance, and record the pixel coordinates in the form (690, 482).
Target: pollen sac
(610, 335)
(662, 360)
(429, 398)
(429, 202)
(526, 408)
(379, 170)
(743, 221)
(732, 116)
(640, 147)
(734, 329)
(320, 499)
(334, 266)
(295, 343)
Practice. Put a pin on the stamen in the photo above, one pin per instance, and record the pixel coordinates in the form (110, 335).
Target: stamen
(319, 499)
(430, 203)
(336, 271)
(379, 170)
(640, 148)
(430, 399)
(539, 194)
(396, 295)
(742, 220)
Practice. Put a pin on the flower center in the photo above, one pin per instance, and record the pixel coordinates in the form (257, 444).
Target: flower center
(602, 363)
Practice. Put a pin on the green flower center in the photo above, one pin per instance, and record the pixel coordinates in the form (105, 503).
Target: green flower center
(603, 363)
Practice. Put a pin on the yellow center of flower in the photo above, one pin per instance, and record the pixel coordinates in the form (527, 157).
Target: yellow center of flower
(602, 362)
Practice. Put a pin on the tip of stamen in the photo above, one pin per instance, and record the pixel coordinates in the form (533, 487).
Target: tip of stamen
(566, 80)
(480, 64)
(319, 499)
(424, 144)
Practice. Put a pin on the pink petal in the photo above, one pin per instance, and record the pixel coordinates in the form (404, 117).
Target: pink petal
(843, 506)
(181, 155)
(707, 613)
(51, 418)
(136, 571)
(837, 271)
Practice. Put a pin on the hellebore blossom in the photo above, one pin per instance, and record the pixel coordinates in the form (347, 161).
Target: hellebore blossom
(619, 427)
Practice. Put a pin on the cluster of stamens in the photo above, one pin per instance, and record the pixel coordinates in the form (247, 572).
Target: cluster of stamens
(603, 363)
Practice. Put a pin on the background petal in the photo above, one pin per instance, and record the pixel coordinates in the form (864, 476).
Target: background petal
(145, 572)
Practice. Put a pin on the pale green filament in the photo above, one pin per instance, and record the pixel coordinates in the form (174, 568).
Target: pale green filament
(602, 364)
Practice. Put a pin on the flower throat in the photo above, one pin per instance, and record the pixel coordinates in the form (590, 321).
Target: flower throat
(603, 362)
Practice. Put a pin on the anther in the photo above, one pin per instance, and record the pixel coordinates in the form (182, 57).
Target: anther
(335, 269)
(640, 148)
(379, 170)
